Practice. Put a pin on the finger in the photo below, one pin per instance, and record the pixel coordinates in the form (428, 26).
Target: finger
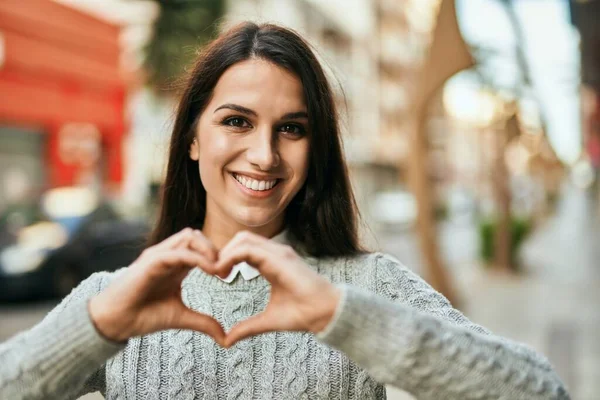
(183, 242)
(255, 325)
(193, 259)
(206, 265)
(192, 320)
(183, 258)
(204, 246)
(250, 239)
(244, 237)
(252, 248)
(175, 240)
(256, 255)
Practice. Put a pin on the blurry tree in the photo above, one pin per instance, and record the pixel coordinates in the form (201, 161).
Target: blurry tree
(182, 27)
(447, 55)
(521, 88)
(486, 55)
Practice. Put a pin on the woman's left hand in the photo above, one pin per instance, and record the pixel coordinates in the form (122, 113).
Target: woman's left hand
(301, 299)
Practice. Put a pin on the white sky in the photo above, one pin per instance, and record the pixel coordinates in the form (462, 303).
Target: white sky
(552, 51)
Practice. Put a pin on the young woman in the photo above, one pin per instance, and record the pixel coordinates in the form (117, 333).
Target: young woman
(256, 176)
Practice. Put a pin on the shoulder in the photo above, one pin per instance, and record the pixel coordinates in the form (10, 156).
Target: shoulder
(385, 275)
(372, 271)
(398, 282)
(372, 263)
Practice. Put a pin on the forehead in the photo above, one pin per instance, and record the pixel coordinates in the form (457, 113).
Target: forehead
(260, 84)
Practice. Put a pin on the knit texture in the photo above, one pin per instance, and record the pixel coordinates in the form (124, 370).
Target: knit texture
(409, 336)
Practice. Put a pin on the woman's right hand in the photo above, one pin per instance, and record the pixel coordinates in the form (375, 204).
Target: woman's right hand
(146, 298)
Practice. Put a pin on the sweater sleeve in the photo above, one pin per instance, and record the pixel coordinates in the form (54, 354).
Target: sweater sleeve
(62, 357)
(419, 343)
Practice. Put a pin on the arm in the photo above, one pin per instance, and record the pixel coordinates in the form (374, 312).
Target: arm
(428, 348)
(62, 356)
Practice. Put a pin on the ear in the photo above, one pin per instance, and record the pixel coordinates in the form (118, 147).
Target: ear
(195, 150)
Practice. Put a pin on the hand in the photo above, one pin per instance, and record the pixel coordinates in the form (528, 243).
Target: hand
(301, 299)
(147, 297)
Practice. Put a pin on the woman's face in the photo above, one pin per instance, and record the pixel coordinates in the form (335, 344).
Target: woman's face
(252, 146)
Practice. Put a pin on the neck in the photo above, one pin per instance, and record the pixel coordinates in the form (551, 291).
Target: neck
(220, 233)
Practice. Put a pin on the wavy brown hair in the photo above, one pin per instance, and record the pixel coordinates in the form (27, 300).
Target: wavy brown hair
(323, 216)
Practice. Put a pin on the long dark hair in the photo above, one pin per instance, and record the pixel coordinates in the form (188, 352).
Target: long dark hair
(323, 216)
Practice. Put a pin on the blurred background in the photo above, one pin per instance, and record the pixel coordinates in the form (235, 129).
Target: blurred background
(472, 131)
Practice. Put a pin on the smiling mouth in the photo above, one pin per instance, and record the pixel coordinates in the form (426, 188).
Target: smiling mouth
(255, 184)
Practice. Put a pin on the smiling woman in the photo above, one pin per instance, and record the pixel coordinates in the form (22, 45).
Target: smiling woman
(256, 168)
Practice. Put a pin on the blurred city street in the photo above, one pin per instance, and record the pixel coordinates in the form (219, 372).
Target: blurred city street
(471, 133)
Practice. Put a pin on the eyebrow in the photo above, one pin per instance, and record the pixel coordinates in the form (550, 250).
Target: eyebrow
(247, 111)
(296, 115)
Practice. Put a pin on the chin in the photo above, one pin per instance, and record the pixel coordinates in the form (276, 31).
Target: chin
(255, 218)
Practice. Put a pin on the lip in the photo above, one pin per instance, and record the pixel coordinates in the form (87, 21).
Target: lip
(254, 193)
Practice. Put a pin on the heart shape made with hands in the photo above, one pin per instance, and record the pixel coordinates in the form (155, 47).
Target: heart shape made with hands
(146, 298)
(301, 299)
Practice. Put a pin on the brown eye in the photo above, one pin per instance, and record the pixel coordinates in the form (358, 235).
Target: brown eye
(236, 122)
(293, 129)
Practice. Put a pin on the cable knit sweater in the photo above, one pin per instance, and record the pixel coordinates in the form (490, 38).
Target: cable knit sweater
(408, 336)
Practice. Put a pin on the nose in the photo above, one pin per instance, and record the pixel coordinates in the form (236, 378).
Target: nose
(262, 150)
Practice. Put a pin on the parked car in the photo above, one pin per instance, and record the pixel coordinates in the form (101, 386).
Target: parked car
(47, 247)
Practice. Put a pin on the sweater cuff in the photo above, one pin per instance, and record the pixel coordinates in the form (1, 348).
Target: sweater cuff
(364, 325)
(376, 334)
(352, 320)
(102, 346)
(334, 324)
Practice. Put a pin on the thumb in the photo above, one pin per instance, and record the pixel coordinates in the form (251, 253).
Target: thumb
(259, 323)
(192, 320)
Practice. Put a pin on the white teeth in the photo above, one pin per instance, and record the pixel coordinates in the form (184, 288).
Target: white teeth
(255, 184)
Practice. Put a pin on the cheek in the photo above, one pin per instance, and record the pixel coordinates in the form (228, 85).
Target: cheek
(214, 152)
(299, 161)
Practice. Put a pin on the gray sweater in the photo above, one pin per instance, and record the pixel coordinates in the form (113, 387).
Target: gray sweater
(408, 336)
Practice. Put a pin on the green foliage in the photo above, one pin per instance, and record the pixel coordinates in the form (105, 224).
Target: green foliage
(181, 29)
(441, 212)
(519, 229)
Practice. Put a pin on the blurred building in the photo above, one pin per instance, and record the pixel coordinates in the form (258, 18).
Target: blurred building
(62, 97)
(403, 31)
